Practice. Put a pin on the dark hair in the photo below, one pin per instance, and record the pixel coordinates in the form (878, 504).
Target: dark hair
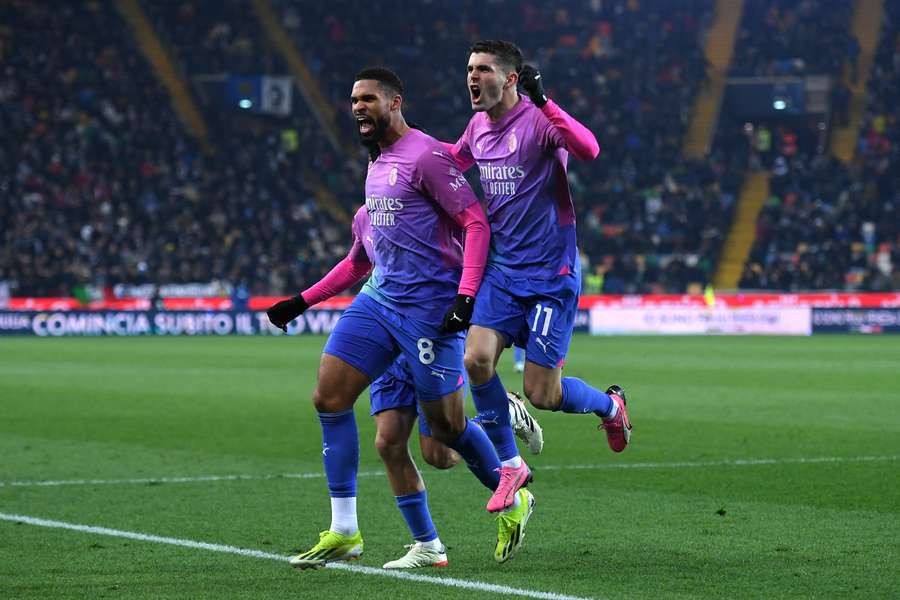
(387, 78)
(508, 54)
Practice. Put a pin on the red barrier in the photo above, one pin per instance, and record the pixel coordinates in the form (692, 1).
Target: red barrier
(259, 303)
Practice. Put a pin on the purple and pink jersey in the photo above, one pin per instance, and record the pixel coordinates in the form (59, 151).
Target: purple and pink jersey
(522, 164)
(415, 196)
(362, 235)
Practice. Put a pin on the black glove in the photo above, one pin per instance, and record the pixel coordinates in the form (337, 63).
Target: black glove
(530, 80)
(459, 315)
(282, 313)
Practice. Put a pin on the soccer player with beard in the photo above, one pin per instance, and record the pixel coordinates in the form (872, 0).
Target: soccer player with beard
(394, 407)
(529, 295)
(419, 206)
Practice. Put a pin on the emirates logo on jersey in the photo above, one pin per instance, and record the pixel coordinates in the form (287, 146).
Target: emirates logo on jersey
(513, 142)
(392, 176)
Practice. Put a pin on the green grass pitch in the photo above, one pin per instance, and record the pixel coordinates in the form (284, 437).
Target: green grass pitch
(727, 491)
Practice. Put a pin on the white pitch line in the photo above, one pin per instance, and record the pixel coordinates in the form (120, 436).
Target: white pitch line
(186, 479)
(144, 537)
(738, 462)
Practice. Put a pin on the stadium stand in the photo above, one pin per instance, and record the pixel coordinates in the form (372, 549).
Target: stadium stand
(834, 226)
(102, 186)
(629, 71)
(787, 37)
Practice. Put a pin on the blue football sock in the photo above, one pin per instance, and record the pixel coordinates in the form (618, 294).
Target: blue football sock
(493, 410)
(579, 397)
(519, 354)
(415, 510)
(340, 452)
(476, 449)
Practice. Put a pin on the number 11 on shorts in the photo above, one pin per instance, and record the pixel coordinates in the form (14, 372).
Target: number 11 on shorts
(548, 314)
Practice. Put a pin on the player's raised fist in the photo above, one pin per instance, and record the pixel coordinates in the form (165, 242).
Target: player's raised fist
(459, 315)
(282, 313)
(530, 80)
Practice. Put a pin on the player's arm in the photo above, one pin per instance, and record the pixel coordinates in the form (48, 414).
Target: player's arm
(461, 151)
(354, 267)
(460, 154)
(452, 193)
(569, 133)
(475, 252)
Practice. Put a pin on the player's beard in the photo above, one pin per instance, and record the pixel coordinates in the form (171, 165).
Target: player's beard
(381, 125)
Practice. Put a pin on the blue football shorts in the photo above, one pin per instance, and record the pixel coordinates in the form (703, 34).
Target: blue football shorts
(394, 389)
(370, 336)
(535, 314)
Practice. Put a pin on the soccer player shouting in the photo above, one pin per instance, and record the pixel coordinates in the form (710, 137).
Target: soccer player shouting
(529, 295)
(418, 207)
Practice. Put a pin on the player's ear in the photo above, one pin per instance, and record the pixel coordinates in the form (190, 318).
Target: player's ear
(511, 80)
(396, 102)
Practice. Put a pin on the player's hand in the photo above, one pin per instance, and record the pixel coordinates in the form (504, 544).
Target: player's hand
(282, 313)
(459, 315)
(530, 80)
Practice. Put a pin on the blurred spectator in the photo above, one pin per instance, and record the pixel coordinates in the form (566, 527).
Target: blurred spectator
(100, 184)
(831, 226)
(790, 37)
(628, 70)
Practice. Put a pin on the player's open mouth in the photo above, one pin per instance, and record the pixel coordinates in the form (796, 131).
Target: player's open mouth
(475, 91)
(366, 125)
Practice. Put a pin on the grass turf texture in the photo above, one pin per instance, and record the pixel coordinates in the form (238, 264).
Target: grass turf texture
(132, 408)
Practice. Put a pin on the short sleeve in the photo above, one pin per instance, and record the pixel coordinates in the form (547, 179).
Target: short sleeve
(437, 175)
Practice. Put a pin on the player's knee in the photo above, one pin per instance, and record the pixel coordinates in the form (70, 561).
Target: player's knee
(327, 401)
(440, 456)
(389, 446)
(446, 430)
(479, 366)
(323, 401)
(541, 396)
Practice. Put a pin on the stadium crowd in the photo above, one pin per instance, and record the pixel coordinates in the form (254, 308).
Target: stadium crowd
(214, 38)
(101, 184)
(832, 226)
(791, 37)
(630, 71)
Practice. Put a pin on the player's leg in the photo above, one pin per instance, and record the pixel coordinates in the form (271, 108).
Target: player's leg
(394, 408)
(449, 426)
(497, 318)
(445, 416)
(435, 361)
(357, 352)
(437, 454)
(393, 428)
(551, 319)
